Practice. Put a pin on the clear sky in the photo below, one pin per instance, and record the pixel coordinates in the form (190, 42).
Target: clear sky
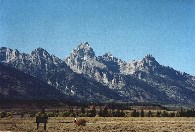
(129, 29)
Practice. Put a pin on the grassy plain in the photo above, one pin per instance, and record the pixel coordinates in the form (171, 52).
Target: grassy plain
(101, 124)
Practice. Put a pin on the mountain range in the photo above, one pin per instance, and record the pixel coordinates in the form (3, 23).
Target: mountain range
(105, 78)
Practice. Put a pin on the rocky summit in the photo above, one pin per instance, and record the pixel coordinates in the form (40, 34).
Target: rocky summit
(50, 69)
(105, 78)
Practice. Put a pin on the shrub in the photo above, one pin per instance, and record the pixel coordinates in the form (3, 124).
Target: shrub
(2, 114)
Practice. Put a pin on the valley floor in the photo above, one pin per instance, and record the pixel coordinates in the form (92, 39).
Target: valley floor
(100, 124)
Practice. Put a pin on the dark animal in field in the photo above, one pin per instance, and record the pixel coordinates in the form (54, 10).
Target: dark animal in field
(41, 119)
(81, 122)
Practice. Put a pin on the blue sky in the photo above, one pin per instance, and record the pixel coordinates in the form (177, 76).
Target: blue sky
(129, 29)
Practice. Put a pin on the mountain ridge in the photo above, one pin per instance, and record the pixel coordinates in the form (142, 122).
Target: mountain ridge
(18, 85)
(116, 74)
(83, 74)
(50, 69)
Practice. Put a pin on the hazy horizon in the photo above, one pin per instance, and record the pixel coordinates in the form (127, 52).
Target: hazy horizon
(129, 29)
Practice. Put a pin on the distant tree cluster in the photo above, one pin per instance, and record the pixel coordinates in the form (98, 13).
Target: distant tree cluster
(180, 113)
(152, 114)
(165, 114)
(92, 112)
(104, 111)
(11, 114)
(186, 113)
(111, 113)
(73, 112)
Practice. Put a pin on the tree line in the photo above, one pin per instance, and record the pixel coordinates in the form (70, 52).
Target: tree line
(107, 112)
(179, 113)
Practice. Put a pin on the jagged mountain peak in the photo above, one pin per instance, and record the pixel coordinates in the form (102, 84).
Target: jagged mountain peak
(79, 56)
(150, 60)
(40, 52)
(84, 45)
(147, 65)
(149, 57)
(143, 80)
(7, 54)
(83, 51)
(109, 57)
(108, 54)
(4, 48)
(39, 49)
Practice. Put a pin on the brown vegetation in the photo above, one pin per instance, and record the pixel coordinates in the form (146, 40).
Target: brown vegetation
(99, 124)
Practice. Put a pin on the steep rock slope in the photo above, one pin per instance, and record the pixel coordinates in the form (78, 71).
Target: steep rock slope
(55, 72)
(105, 78)
(144, 80)
(15, 84)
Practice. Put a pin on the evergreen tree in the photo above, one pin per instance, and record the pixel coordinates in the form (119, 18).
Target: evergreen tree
(142, 113)
(165, 114)
(2, 114)
(117, 114)
(134, 113)
(105, 112)
(172, 114)
(111, 113)
(93, 112)
(158, 114)
(100, 113)
(82, 110)
(122, 113)
(193, 113)
(137, 114)
(182, 112)
(149, 114)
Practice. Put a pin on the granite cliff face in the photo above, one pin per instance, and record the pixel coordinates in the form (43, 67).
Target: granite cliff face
(50, 69)
(144, 80)
(105, 78)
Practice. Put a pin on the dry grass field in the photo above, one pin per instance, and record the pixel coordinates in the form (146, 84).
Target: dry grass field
(101, 124)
